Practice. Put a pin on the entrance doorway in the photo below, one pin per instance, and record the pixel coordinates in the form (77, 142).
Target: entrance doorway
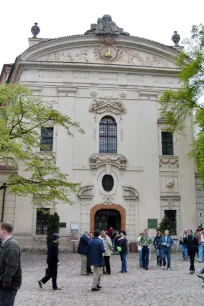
(104, 218)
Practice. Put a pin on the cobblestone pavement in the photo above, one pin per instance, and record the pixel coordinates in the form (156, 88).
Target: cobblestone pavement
(139, 287)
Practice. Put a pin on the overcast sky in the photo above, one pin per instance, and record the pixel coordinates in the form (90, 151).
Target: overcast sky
(152, 19)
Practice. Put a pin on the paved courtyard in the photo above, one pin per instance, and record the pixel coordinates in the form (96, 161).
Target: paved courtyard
(138, 287)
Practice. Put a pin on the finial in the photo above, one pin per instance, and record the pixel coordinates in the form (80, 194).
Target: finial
(35, 30)
(175, 38)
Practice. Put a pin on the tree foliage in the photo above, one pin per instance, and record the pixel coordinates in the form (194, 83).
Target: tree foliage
(22, 116)
(165, 224)
(178, 105)
(53, 226)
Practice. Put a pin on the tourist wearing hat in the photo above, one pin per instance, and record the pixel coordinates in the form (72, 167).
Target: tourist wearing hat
(53, 263)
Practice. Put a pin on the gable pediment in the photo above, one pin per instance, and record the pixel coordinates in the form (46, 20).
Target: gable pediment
(127, 51)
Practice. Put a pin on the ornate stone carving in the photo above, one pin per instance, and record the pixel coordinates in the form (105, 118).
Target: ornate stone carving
(105, 26)
(108, 51)
(80, 55)
(98, 160)
(168, 161)
(170, 184)
(8, 163)
(136, 58)
(130, 193)
(107, 104)
(85, 192)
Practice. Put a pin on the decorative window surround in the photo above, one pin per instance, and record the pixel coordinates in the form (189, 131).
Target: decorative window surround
(117, 160)
(107, 105)
(85, 192)
(170, 161)
(130, 193)
(171, 202)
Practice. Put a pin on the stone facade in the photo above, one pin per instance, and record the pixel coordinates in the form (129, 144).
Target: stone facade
(88, 77)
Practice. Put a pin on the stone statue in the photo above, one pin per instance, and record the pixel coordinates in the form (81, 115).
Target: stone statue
(175, 38)
(35, 30)
(105, 26)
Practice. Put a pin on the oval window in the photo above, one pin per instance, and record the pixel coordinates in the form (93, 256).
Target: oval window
(107, 182)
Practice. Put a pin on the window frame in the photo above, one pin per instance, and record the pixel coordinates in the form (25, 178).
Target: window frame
(165, 143)
(46, 147)
(44, 222)
(108, 137)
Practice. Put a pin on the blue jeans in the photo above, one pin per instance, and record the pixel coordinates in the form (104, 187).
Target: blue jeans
(184, 251)
(201, 251)
(124, 262)
(145, 257)
(7, 296)
(140, 258)
(166, 253)
(202, 271)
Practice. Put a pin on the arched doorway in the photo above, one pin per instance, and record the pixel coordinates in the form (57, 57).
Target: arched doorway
(104, 218)
(108, 214)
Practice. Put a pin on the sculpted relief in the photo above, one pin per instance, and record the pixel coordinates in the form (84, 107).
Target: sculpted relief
(108, 52)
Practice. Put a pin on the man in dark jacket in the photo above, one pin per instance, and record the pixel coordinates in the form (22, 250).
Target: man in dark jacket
(10, 265)
(96, 250)
(192, 245)
(123, 250)
(53, 263)
(157, 246)
(83, 250)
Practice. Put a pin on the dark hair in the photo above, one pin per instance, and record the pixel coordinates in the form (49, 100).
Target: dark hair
(7, 227)
(124, 233)
(55, 236)
(96, 233)
(190, 231)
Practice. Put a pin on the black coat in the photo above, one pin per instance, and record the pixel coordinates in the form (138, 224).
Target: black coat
(52, 255)
(83, 245)
(191, 243)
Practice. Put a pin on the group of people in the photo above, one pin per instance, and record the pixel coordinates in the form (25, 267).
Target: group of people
(95, 250)
(162, 244)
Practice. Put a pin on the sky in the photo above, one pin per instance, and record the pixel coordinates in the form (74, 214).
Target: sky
(152, 19)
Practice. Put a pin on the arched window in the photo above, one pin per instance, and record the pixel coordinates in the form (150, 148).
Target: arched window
(108, 135)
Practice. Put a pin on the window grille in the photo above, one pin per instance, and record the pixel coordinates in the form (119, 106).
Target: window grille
(46, 139)
(108, 135)
(167, 143)
(42, 221)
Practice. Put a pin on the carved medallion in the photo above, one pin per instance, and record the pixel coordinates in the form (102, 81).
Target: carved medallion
(108, 51)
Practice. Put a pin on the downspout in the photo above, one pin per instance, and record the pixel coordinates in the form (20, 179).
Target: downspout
(3, 202)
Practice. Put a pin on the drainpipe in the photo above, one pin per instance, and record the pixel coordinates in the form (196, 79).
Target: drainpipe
(3, 202)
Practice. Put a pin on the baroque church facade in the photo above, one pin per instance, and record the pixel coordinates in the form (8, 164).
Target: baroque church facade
(131, 169)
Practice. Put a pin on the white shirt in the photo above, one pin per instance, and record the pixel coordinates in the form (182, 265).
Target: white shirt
(202, 238)
(139, 246)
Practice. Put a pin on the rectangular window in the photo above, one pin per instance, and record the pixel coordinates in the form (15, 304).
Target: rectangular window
(46, 143)
(42, 221)
(152, 223)
(167, 143)
(171, 215)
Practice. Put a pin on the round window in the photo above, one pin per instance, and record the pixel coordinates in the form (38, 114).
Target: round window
(107, 182)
